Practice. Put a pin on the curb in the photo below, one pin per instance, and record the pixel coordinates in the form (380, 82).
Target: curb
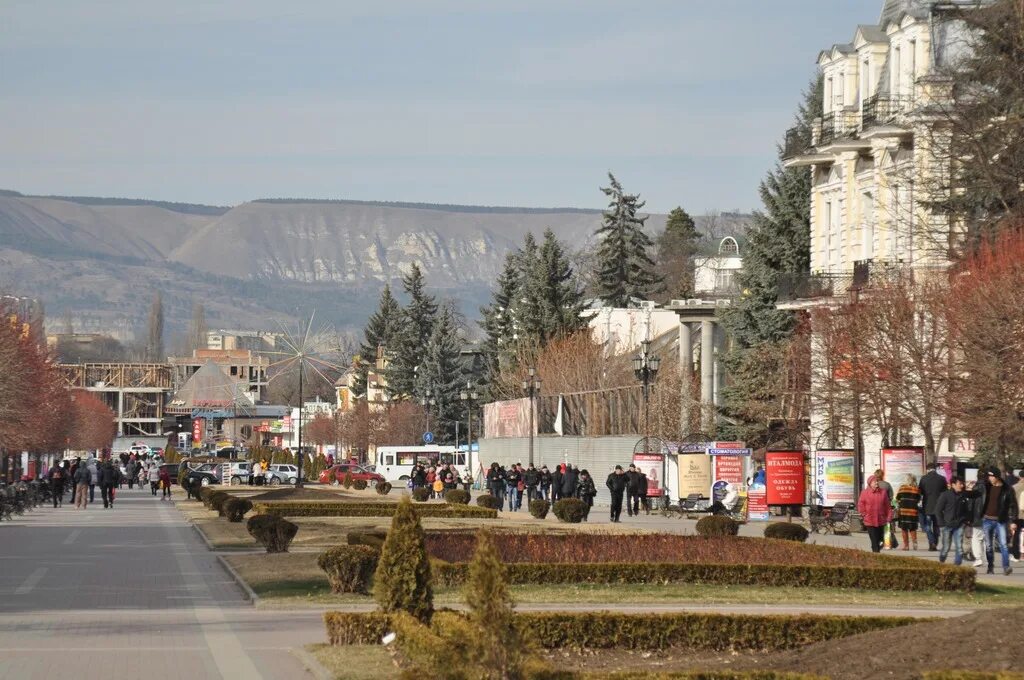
(202, 537)
(315, 668)
(246, 590)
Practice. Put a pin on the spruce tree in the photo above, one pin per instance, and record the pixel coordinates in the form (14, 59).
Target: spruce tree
(499, 322)
(527, 306)
(497, 642)
(440, 372)
(380, 331)
(561, 300)
(402, 580)
(624, 268)
(778, 245)
(412, 336)
(677, 246)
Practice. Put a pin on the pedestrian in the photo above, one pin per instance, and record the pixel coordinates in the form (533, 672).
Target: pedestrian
(908, 497)
(83, 477)
(165, 483)
(632, 491)
(154, 477)
(438, 488)
(107, 481)
(887, 488)
(1000, 510)
(951, 515)
(71, 477)
(93, 465)
(616, 483)
(975, 508)
(585, 491)
(514, 486)
(131, 470)
(876, 511)
(467, 481)
(532, 480)
(570, 479)
(931, 486)
(556, 483)
(545, 483)
(496, 484)
(56, 476)
(645, 502)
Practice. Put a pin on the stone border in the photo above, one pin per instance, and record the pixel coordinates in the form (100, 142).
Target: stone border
(247, 591)
(315, 668)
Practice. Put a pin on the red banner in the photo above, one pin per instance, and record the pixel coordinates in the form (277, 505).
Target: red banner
(784, 477)
(197, 430)
(650, 465)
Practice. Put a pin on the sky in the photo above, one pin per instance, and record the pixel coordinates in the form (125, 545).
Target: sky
(526, 103)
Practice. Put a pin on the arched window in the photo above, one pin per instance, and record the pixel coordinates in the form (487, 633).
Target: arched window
(728, 247)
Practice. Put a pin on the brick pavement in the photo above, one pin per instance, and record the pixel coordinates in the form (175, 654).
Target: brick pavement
(131, 592)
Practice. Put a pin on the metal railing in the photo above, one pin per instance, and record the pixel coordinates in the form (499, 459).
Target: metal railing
(796, 143)
(884, 108)
(837, 126)
(814, 286)
(871, 273)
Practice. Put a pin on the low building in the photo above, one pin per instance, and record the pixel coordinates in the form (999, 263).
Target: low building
(241, 366)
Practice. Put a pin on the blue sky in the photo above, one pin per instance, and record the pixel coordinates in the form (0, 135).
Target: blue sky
(449, 101)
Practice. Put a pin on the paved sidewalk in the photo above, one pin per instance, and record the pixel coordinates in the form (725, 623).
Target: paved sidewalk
(132, 593)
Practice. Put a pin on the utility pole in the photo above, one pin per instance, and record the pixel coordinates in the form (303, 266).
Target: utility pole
(532, 388)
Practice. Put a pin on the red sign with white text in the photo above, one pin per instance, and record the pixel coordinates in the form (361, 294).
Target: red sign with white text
(197, 430)
(784, 477)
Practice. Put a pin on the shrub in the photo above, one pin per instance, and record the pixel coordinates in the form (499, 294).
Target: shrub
(717, 525)
(218, 500)
(349, 568)
(359, 484)
(421, 494)
(456, 497)
(377, 509)
(571, 510)
(346, 481)
(971, 675)
(204, 494)
(607, 630)
(488, 501)
(211, 497)
(496, 642)
(539, 508)
(235, 508)
(786, 531)
(383, 488)
(373, 539)
(272, 532)
(402, 581)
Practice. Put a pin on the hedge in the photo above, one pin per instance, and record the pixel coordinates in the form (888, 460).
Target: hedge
(608, 630)
(375, 509)
(235, 508)
(868, 578)
(717, 525)
(787, 532)
(677, 675)
(972, 675)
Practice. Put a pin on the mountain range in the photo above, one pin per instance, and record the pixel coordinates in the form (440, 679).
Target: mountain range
(100, 260)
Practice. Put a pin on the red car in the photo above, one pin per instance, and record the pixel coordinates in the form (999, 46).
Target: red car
(336, 474)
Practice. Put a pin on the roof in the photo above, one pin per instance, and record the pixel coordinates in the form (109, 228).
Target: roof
(895, 10)
(208, 387)
(873, 34)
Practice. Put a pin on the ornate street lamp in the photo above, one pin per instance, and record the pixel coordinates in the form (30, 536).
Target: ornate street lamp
(469, 397)
(645, 368)
(532, 388)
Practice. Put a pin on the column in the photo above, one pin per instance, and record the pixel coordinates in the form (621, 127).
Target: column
(707, 373)
(686, 375)
(720, 349)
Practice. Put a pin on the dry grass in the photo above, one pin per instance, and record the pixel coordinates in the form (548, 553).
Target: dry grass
(355, 662)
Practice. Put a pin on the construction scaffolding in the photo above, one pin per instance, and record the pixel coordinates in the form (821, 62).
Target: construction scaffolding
(137, 393)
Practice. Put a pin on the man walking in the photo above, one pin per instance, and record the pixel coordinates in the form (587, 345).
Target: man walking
(83, 477)
(932, 485)
(632, 491)
(1000, 509)
(107, 480)
(616, 483)
(950, 516)
(56, 475)
(532, 480)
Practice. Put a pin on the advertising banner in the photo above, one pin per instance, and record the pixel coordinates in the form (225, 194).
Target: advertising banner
(504, 419)
(727, 470)
(784, 477)
(197, 431)
(899, 462)
(833, 477)
(650, 465)
(757, 505)
(694, 474)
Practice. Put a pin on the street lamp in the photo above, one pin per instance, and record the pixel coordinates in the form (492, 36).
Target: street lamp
(468, 397)
(645, 368)
(427, 402)
(532, 388)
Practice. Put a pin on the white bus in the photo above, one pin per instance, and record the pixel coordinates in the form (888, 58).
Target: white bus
(395, 463)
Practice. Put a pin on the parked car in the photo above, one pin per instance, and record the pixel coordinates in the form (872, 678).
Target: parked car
(336, 474)
(239, 472)
(282, 473)
(204, 476)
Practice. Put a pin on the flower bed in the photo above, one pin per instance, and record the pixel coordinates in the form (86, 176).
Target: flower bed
(343, 509)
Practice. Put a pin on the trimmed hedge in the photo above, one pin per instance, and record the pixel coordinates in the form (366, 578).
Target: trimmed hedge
(488, 501)
(235, 508)
(717, 525)
(383, 488)
(570, 510)
(456, 496)
(421, 494)
(359, 484)
(349, 568)
(787, 531)
(676, 675)
(972, 675)
(375, 509)
(539, 508)
(867, 578)
(272, 532)
(606, 630)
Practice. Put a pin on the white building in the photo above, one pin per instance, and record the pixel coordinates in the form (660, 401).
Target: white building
(714, 276)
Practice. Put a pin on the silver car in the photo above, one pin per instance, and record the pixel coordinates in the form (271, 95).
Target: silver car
(282, 473)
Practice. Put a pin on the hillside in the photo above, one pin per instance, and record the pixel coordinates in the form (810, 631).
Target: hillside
(262, 260)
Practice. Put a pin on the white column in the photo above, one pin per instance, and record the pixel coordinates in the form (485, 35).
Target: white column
(707, 372)
(686, 375)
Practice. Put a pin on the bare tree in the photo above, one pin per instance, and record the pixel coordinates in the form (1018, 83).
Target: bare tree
(155, 334)
(197, 328)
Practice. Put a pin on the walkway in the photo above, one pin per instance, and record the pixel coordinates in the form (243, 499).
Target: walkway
(132, 592)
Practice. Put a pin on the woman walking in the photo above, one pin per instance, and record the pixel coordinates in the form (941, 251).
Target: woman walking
(586, 491)
(908, 497)
(876, 512)
(165, 483)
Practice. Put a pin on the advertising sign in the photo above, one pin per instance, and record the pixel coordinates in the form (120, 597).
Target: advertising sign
(197, 431)
(729, 452)
(757, 505)
(650, 465)
(694, 474)
(898, 463)
(505, 419)
(727, 470)
(784, 477)
(833, 477)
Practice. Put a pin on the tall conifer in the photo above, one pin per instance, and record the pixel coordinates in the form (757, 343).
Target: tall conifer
(625, 270)
(677, 246)
(380, 331)
(416, 326)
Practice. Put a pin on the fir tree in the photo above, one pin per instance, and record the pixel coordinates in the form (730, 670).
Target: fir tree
(412, 336)
(677, 246)
(497, 643)
(498, 320)
(624, 268)
(778, 245)
(441, 373)
(402, 579)
(561, 300)
(380, 331)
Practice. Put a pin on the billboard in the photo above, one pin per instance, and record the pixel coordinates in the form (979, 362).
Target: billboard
(728, 469)
(506, 419)
(650, 464)
(757, 505)
(899, 462)
(197, 431)
(833, 477)
(694, 474)
(784, 477)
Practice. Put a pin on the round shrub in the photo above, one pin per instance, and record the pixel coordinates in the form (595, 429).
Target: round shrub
(456, 497)
(349, 568)
(539, 508)
(217, 501)
(421, 494)
(347, 480)
(571, 510)
(717, 525)
(786, 531)
(383, 488)
(204, 494)
(272, 532)
(235, 508)
(488, 501)
(359, 484)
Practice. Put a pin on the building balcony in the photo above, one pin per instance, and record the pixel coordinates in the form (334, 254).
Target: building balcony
(816, 286)
(838, 125)
(796, 143)
(883, 109)
(869, 274)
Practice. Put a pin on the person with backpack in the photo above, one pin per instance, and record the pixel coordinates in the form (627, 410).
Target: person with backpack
(83, 478)
(585, 491)
(56, 476)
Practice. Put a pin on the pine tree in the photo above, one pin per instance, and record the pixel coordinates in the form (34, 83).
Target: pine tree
(499, 322)
(561, 300)
(624, 268)
(778, 245)
(155, 335)
(497, 644)
(527, 306)
(402, 579)
(677, 246)
(412, 336)
(380, 331)
(441, 373)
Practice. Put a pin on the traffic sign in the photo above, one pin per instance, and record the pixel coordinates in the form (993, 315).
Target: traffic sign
(428, 437)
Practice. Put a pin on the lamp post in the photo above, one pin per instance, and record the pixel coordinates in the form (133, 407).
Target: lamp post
(468, 397)
(532, 388)
(645, 368)
(427, 401)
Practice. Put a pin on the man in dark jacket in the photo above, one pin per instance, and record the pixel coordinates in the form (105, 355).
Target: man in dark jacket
(616, 483)
(532, 479)
(545, 483)
(56, 475)
(951, 516)
(556, 483)
(644, 501)
(932, 485)
(107, 480)
(976, 513)
(83, 478)
(1000, 509)
(570, 479)
(632, 491)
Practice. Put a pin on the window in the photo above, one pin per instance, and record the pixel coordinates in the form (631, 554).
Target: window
(728, 247)
(865, 80)
(897, 70)
(867, 228)
(913, 66)
(724, 279)
(389, 459)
